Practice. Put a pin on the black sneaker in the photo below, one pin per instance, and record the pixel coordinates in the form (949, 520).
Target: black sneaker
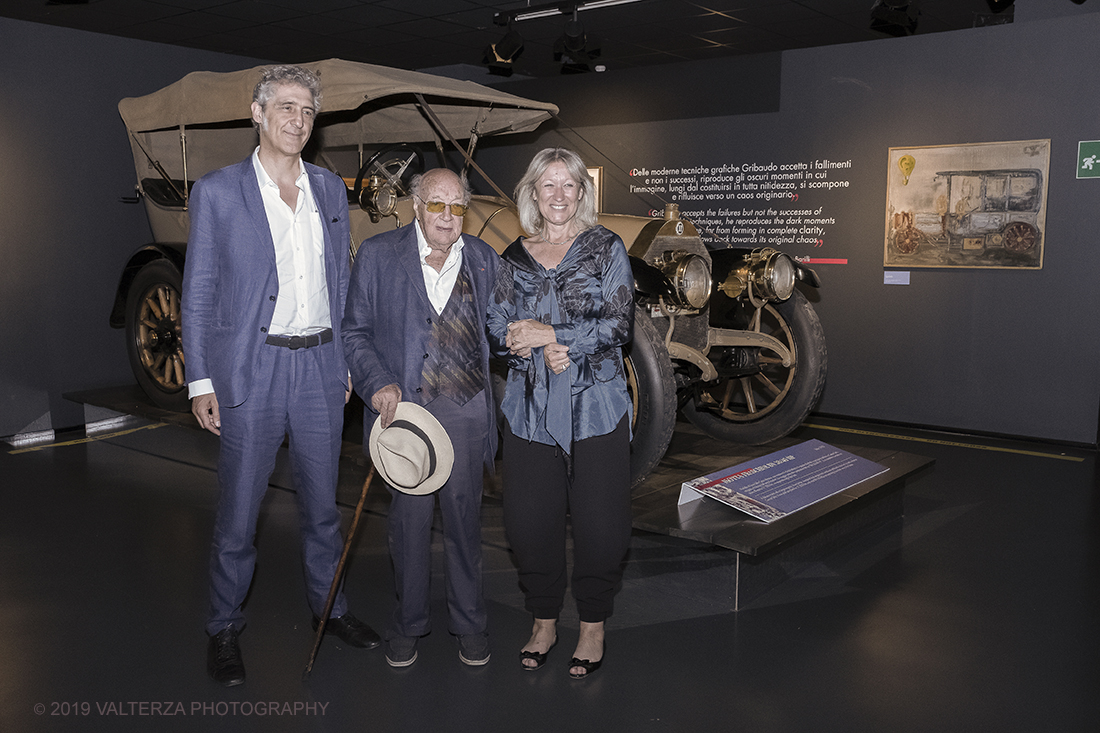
(473, 649)
(401, 650)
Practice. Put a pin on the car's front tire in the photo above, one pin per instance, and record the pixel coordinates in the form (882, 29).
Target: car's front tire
(652, 389)
(153, 342)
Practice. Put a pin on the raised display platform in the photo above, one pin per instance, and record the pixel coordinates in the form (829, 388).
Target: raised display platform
(766, 553)
(130, 400)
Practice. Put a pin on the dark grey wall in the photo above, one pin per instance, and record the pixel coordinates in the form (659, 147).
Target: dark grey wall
(1013, 352)
(996, 351)
(65, 162)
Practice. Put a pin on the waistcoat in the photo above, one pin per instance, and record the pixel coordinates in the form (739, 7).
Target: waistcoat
(452, 366)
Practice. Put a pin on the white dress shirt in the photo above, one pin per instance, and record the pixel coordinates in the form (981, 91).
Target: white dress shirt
(302, 305)
(439, 284)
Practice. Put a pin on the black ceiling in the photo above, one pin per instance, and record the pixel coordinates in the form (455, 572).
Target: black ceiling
(428, 34)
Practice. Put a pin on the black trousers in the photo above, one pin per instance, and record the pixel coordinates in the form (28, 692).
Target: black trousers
(538, 496)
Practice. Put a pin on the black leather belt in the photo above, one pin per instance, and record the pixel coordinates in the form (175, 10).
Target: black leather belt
(301, 342)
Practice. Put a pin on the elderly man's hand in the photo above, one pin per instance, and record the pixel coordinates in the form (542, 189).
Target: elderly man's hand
(385, 402)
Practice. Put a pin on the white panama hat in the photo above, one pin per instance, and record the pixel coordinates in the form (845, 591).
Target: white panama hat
(414, 454)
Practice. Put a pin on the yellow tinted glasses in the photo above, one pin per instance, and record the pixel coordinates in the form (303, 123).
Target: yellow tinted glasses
(437, 207)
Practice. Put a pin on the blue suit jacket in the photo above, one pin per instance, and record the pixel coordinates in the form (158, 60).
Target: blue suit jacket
(230, 281)
(388, 319)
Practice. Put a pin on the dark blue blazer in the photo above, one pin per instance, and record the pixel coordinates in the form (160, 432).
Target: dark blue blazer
(388, 319)
(230, 281)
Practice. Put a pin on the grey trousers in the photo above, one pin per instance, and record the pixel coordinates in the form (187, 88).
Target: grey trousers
(410, 530)
(293, 395)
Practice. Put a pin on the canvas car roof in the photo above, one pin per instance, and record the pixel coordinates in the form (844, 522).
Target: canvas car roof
(390, 113)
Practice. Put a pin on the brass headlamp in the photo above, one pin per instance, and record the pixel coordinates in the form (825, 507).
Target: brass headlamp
(770, 273)
(690, 278)
(378, 198)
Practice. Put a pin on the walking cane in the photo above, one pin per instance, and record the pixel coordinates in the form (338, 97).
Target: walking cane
(336, 579)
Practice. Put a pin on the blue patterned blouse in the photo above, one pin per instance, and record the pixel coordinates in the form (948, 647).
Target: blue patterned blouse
(589, 300)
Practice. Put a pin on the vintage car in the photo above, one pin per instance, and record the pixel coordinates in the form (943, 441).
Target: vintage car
(722, 334)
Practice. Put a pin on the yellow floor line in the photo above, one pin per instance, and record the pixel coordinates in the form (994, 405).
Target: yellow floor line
(87, 440)
(1061, 457)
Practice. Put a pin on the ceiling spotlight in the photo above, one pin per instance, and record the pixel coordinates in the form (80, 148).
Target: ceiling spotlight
(573, 37)
(895, 17)
(572, 50)
(500, 55)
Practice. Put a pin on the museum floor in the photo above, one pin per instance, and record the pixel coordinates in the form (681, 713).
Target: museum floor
(977, 611)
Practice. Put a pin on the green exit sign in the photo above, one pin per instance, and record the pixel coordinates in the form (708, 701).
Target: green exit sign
(1088, 159)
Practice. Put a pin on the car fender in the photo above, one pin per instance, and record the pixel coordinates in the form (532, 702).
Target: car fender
(649, 282)
(172, 252)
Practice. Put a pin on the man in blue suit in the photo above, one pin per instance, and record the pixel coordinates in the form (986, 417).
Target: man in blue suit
(414, 329)
(263, 294)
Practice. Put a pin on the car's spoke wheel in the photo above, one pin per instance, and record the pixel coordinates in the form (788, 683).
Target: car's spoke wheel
(1020, 237)
(764, 403)
(153, 335)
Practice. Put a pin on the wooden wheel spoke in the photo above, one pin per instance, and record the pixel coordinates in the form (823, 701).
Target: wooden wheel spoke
(728, 394)
(746, 389)
(153, 306)
(768, 384)
(162, 300)
(174, 306)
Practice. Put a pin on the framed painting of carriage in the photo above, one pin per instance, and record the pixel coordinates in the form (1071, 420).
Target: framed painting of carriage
(967, 206)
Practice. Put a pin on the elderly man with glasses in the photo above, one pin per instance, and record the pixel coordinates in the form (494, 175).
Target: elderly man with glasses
(414, 330)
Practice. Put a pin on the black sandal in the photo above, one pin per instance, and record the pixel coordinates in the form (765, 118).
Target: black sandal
(589, 667)
(538, 657)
